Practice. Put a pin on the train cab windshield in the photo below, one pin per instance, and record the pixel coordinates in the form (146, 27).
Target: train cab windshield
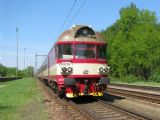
(85, 51)
(90, 51)
(81, 51)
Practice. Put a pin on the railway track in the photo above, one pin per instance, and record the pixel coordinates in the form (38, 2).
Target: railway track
(147, 93)
(151, 88)
(63, 105)
(5, 79)
(101, 110)
(94, 109)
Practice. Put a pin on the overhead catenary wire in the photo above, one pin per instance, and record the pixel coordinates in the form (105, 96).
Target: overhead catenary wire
(70, 11)
(78, 11)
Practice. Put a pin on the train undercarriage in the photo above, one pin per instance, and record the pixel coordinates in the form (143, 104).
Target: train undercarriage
(78, 87)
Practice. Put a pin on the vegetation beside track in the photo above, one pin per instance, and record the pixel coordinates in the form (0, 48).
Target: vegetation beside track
(140, 82)
(11, 71)
(133, 45)
(21, 99)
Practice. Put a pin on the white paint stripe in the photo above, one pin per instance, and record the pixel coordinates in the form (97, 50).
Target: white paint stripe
(79, 68)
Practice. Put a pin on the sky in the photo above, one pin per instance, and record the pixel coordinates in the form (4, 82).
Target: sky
(40, 23)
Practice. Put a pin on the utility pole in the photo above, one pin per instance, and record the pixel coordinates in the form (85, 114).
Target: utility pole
(36, 66)
(36, 62)
(27, 67)
(24, 61)
(17, 53)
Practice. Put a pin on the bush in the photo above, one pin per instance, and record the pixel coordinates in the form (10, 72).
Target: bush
(129, 79)
(156, 77)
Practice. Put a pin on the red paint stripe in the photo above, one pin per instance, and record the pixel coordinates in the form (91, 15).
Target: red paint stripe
(80, 42)
(73, 76)
(98, 61)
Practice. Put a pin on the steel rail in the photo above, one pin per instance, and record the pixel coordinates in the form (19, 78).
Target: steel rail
(99, 109)
(84, 111)
(125, 111)
(143, 94)
(142, 87)
(96, 111)
(74, 111)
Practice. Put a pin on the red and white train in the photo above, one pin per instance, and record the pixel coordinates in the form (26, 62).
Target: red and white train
(77, 64)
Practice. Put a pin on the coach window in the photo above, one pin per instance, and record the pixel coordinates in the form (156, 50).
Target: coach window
(101, 51)
(65, 51)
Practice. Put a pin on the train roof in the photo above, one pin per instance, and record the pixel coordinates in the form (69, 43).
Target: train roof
(81, 33)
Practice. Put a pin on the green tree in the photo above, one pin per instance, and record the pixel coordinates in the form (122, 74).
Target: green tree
(11, 71)
(133, 44)
(29, 71)
(3, 70)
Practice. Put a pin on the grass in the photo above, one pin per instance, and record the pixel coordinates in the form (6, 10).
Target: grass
(141, 83)
(21, 99)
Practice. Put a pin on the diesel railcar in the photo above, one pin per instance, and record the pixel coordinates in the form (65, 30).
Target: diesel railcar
(77, 65)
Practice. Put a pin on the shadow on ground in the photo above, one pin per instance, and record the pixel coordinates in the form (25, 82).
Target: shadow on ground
(89, 99)
(111, 98)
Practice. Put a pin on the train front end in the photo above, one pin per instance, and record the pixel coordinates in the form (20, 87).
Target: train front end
(81, 62)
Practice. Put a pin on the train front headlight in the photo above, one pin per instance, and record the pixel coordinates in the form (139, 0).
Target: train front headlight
(106, 69)
(100, 69)
(64, 69)
(70, 69)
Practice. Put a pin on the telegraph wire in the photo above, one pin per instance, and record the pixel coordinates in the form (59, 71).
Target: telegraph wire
(67, 17)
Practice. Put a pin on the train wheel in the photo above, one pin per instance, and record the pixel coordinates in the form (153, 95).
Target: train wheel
(61, 93)
(54, 87)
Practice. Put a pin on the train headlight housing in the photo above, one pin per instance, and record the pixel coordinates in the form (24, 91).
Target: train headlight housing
(67, 70)
(100, 69)
(106, 69)
(70, 69)
(64, 69)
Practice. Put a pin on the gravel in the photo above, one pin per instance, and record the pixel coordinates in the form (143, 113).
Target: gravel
(57, 109)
